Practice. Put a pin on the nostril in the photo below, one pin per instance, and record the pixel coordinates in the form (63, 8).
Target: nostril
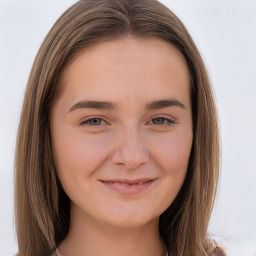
(130, 149)
(130, 158)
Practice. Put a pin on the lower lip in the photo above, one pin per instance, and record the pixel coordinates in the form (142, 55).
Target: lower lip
(128, 189)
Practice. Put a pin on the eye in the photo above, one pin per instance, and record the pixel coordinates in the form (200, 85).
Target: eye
(159, 121)
(95, 121)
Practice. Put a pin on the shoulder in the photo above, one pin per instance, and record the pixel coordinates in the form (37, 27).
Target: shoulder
(218, 252)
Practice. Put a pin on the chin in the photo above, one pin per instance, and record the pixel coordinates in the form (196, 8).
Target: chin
(130, 220)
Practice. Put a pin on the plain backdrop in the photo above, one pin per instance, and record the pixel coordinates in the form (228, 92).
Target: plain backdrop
(225, 33)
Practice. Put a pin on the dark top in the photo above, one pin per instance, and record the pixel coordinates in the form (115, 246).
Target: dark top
(218, 252)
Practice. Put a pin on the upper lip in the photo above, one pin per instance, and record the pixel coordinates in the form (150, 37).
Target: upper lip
(129, 181)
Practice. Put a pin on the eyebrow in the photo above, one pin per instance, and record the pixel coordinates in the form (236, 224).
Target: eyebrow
(105, 105)
(164, 104)
(102, 105)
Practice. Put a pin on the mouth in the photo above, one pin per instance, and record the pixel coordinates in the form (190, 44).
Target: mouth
(128, 187)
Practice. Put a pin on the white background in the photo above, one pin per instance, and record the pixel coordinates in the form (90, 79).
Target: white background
(225, 33)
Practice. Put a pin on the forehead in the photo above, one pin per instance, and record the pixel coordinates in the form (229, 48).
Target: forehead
(126, 66)
(130, 49)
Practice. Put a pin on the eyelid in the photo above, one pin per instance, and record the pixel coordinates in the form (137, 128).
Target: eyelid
(171, 121)
(84, 121)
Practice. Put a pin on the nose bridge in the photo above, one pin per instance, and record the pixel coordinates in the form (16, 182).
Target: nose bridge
(131, 150)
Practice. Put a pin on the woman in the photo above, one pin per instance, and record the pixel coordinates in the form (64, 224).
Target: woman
(117, 149)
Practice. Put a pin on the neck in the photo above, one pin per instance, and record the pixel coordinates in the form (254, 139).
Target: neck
(88, 237)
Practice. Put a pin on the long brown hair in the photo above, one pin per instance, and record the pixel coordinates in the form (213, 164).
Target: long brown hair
(41, 205)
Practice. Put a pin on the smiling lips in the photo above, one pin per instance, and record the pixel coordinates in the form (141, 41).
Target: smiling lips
(128, 187)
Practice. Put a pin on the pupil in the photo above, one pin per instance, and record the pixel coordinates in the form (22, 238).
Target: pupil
(158, 120)
(95, 121)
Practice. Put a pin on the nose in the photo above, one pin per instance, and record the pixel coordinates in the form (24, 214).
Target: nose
(130, 150)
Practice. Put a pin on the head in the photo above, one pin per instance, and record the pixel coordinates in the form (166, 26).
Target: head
(42, 206)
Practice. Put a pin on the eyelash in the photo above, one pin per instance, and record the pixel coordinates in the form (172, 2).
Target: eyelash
(166, 121)
(87, 122)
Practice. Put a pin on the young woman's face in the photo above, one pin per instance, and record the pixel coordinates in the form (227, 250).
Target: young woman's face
(122, 130)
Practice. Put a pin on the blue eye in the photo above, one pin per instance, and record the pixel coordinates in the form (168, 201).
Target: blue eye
(96, 121)
(162, 121)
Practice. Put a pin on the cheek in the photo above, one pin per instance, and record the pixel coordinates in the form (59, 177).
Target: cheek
(173, 153)
(172, 156)
(78, 155)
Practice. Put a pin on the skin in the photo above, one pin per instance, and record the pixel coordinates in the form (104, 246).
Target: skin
(130, 139)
